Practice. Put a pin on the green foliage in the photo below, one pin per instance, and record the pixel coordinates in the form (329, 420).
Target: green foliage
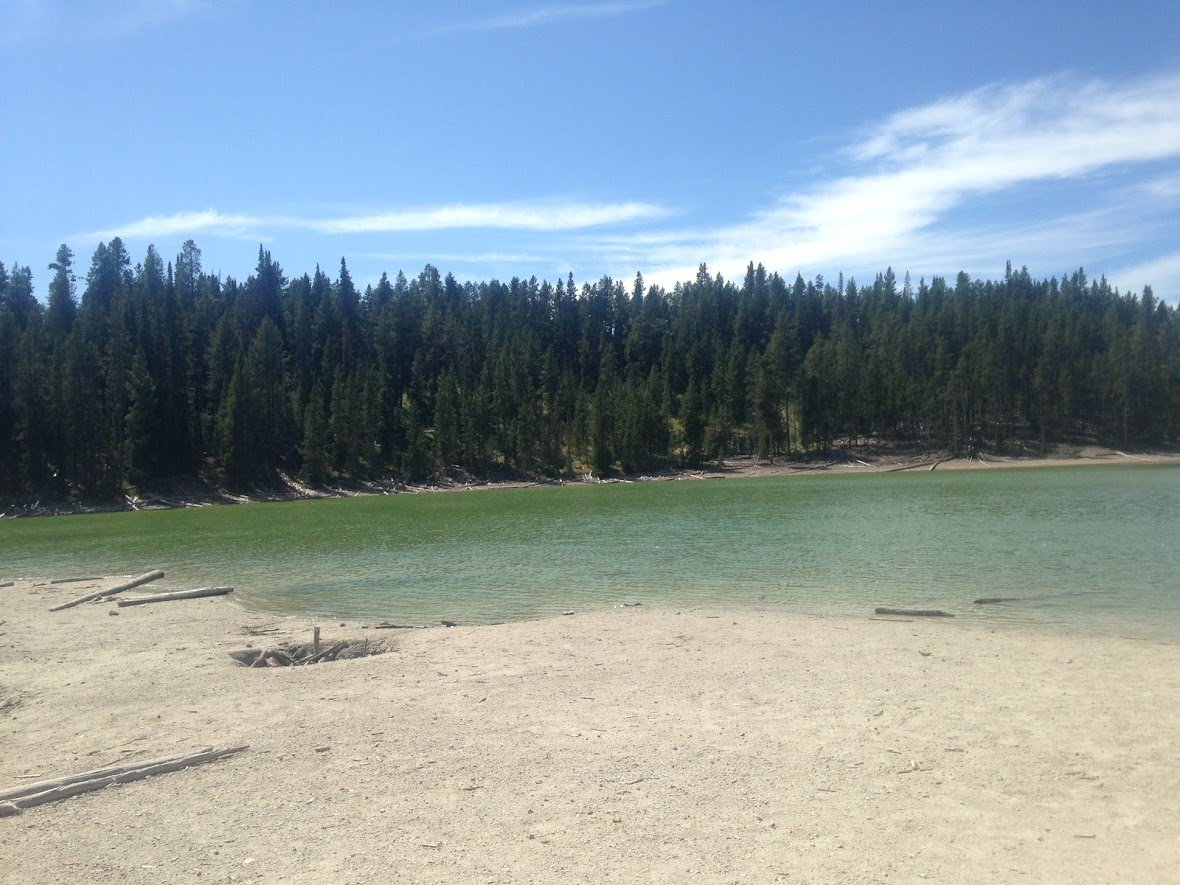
(163, 368)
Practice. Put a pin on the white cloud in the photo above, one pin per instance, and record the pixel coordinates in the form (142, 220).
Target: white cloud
(539, 216)
(30, 20)
(1092, 165)
(558, 12)
(1162, 274)
(183, 224)
(502, 216)
(918, 166)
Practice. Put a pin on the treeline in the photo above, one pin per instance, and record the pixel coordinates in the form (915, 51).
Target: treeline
(162, 370)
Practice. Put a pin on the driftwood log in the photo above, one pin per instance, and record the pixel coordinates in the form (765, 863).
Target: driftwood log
(31, 795)
(7, 584)
(145, 578)
(71, 580)
(180, 594)
(914, 612)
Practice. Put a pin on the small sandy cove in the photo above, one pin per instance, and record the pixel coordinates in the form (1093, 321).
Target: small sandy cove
(622, 746)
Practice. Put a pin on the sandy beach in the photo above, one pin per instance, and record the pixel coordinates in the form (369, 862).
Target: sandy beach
(628, 745)
(865, 458)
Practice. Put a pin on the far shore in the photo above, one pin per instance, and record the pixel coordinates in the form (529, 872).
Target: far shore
(889, 458)
(636, 744)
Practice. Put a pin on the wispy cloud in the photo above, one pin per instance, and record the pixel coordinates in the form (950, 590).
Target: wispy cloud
(554, 13)
(23, 21)
(1091, 164)
(502, 216)
(535, 216)
(1162, 274)
(910, 173)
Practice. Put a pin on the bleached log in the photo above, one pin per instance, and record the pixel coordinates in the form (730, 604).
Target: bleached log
(72, 580)
(86, 783)
(915, 612)
(180, 594)
(145, 578)
(42, 786)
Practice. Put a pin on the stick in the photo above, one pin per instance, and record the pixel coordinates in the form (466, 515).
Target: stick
(111, 591)
(315, 640)
(311, 659)
(181, 594)
(76, 787)
(72, 580)
(915, 612)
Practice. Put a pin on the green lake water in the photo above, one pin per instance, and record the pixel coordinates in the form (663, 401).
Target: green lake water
(1088, 550)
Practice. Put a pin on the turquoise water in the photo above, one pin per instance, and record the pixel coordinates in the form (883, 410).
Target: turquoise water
(1090, 550)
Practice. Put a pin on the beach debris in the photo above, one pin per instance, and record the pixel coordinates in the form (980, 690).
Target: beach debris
(7, 584)
(448, 623)
(259, 630)
(385, 625)
(31, 795)
(145, 578)
(199, 593)
(914, 612)
(570, 612)
(925, 654)
(995, 600)
(72, 580)
(299, 654)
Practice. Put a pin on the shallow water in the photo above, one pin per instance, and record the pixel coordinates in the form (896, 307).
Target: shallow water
(1088, 550)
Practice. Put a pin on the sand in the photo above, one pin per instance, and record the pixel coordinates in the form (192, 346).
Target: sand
(620, 746)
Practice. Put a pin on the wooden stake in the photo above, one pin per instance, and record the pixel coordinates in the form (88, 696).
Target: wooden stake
(111, 591)
(180, 594)
(315, 640)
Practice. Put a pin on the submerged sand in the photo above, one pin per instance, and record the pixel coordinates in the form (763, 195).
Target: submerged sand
(622, 746)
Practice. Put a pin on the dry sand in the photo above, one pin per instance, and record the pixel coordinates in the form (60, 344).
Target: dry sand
(622, 746)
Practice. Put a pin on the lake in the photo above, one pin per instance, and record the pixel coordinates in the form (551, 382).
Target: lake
(1081, 549)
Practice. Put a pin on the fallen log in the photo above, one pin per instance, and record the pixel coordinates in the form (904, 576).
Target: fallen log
(145, 578)
(87, 782)
(386, 626)
(914, 612)
(71, 580)
(180, 594)
(42, 786)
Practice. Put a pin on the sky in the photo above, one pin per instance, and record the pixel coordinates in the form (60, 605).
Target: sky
(507, 138)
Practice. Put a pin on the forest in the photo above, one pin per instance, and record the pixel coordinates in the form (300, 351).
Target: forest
(150, 372)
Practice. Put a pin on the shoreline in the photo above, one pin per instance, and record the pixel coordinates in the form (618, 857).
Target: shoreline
(608, 746)
(847, 460)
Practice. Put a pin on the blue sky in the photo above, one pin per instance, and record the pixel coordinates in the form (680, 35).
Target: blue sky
(502, 138)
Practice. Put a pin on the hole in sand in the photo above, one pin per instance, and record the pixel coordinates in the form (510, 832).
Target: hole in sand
(295, 654)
